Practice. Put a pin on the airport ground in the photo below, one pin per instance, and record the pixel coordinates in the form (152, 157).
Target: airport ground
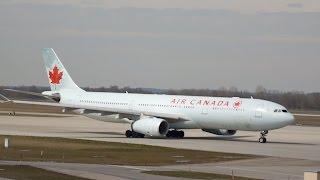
(289, 152)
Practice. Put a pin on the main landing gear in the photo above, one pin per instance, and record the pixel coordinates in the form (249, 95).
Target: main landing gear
(170, 134)
(263, 135)
(132, 134)
(175, 134)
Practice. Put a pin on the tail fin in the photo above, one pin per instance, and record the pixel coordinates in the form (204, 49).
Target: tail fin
(59, 78)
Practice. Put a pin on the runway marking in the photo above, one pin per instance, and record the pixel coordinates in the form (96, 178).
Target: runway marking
(267, 172)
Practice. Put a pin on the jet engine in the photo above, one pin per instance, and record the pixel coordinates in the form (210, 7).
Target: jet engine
(223, 132)
(154, 127)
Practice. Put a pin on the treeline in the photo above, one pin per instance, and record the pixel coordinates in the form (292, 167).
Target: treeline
(291, 100)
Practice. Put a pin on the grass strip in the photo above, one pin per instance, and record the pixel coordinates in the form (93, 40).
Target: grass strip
(28, 148)
(22, 172)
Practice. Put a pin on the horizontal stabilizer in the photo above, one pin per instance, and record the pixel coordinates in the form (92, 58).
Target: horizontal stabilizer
(23, 92)
(51, 95)
(5, 98)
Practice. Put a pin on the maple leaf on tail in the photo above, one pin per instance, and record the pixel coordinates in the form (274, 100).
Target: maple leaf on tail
(55, 75)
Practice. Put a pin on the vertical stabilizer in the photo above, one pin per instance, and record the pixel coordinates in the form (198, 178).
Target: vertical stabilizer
(59, 78)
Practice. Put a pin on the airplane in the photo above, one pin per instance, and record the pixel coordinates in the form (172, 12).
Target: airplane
(160, 116)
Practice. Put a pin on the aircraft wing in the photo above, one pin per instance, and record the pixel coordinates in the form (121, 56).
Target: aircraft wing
(124, 113)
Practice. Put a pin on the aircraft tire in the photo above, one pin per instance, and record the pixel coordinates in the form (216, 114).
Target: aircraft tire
(128, 133)
(175, 134)
(137, 135)
(262, 140)
(181, 134)
(169, 134)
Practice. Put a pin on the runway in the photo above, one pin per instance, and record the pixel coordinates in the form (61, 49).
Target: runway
(296, 147)
(93, 171)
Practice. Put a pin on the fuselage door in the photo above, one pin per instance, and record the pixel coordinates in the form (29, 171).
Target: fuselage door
(259, 111)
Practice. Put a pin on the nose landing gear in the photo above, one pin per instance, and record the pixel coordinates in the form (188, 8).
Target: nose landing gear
(263, 135)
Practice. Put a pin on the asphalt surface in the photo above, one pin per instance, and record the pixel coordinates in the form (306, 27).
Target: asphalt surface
(290, 150)
(93, 171)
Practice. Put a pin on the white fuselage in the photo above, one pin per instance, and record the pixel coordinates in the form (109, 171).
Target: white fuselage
(202, 112)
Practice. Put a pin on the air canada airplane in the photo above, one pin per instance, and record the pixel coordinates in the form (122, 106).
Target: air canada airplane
(160, 115)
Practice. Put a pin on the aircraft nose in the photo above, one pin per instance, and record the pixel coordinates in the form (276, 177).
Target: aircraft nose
(289, 119)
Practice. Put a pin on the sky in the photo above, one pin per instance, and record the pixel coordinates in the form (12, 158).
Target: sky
(165, 43)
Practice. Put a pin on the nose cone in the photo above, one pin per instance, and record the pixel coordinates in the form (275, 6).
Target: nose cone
(289, 119)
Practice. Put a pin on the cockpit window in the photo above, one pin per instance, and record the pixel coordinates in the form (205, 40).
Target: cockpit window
(280, 110)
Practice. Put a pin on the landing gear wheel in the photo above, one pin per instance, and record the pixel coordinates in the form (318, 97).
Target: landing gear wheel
(262, 140)
(132, 134)
(169, 134)
(128, 133)
(175, 134)
(263, 135)
(137, 135)
(181, 134)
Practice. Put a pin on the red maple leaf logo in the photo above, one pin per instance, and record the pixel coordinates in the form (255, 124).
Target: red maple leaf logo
(237, 104)
(55, 75)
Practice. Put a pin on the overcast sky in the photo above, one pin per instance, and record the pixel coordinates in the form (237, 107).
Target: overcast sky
(165, 43)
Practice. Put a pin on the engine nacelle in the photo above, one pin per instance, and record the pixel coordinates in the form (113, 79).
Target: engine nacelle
(223, 132)
(154, 127)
